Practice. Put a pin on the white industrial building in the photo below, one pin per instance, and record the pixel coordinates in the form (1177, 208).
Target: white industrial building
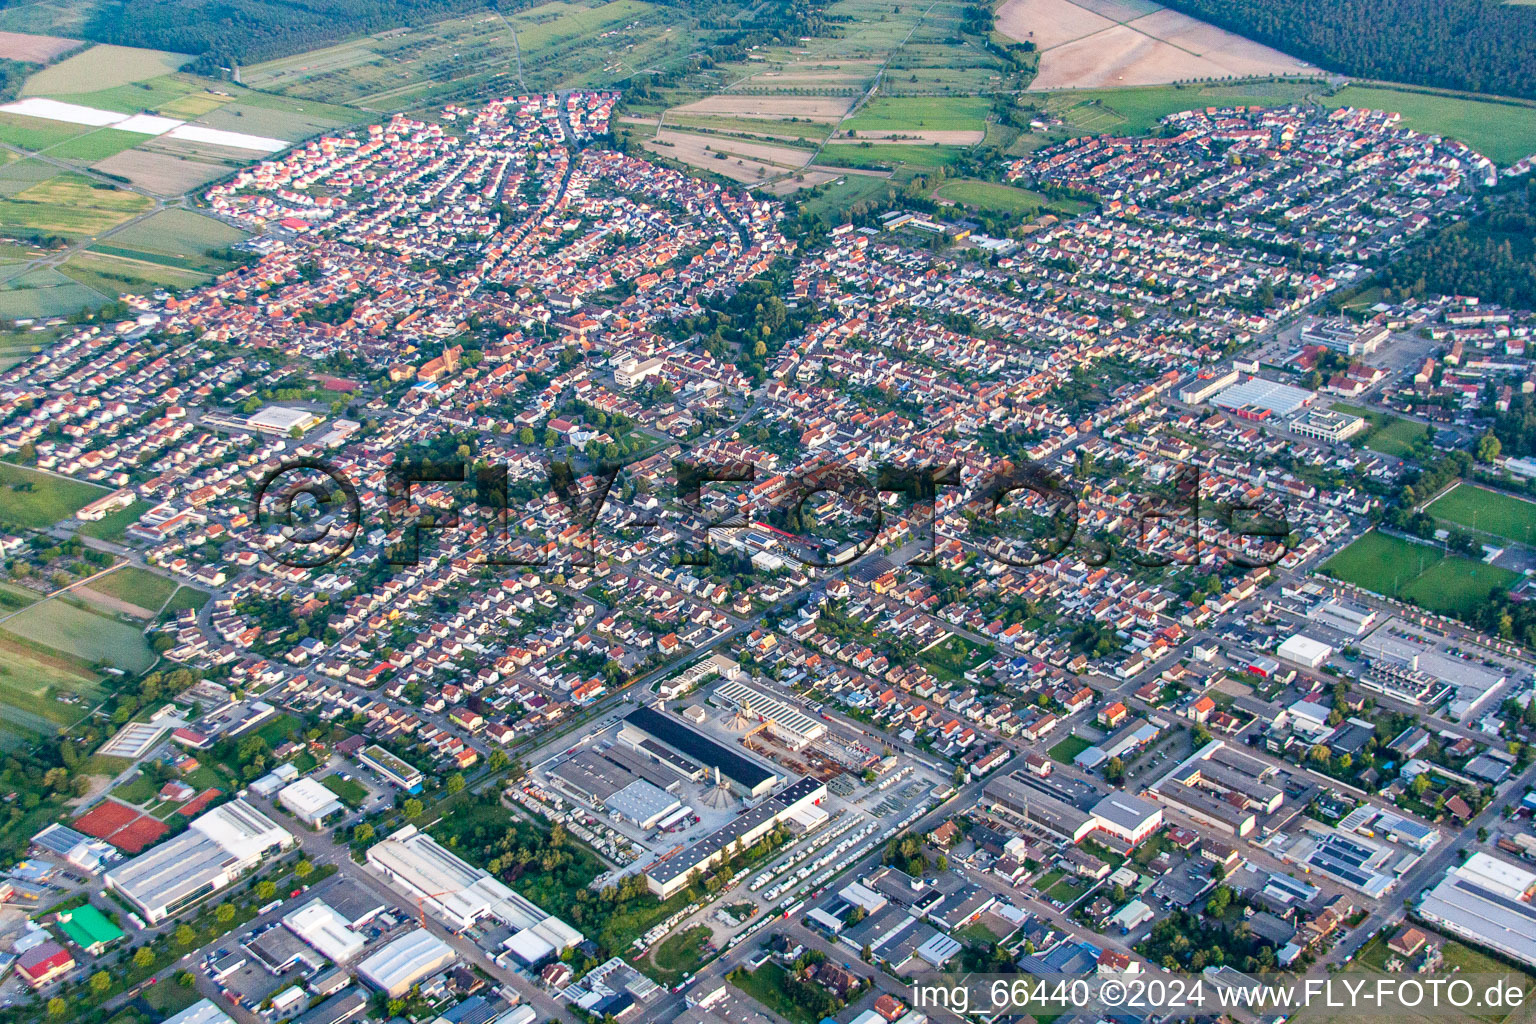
(457, 893)
(407, 961)
(204, 1011)
(790, 726)
(219, 847)
(1305, 651)
(310, 802)
(1488, 901)
(318, 924)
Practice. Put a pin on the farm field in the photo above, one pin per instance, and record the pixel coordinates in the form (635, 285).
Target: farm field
(1110, 43)
(45, 292)
(735, 158)
(32, 681)
(32, 499)
(920, 115)
(36, 133)
(891, 156)
(1503, 132)
(83, 634)
(560, 44)
(34, 49)
(100, 67)
(186, 597)
(1418, 573)
(70, 204)
(136, 586)
(1485, 511)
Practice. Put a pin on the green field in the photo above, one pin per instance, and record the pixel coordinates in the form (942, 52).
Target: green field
(115, 525)
(135, 586)
(680, 953)
(1136, 111)
(990, 196)
(96, 145)
(1503, 132)
(174, 238)
(349, 791)
(1069, 748)
(893, 155)
(101, 67)
(1485, 511)
(187, 597)
(921, 113)
(85, 635)
(768, 986)
(1418, 573)
(70, 204)
(560, 44)
(32, 681)
(953, 658)
(1387, 434)
(45, 292)
(33, 499)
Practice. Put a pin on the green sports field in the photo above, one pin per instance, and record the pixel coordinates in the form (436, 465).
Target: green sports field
(1485, 511)
(1417, 573)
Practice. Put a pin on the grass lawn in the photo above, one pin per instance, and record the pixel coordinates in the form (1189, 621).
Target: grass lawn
(187, 597)
(350, 791)
(32, 500)
(115, 526)
(276, 731)
(953, 658)
(1387, 434)
(1420, 573)
(1456, 586)
(921, 113)
(680, 953)
(767, 986)
(1069, 748)
(1486, 511)
(141, 790)
(1503, 132)
(135, 586)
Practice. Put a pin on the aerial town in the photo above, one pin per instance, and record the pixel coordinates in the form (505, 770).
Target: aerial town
(545, 584)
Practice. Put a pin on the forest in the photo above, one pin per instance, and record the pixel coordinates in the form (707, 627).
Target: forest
(1492, 257)
(1451, 44)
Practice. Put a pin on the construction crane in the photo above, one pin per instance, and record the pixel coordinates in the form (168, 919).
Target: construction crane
(421, 911)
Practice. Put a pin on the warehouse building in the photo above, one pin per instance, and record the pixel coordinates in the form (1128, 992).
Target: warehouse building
(690, 753)
(218, 848)
(668, 877)
(792, 727)
(204, 1011)
(1015, 798)
(320, 925)
(405, 962)
(310, 802)
(456, 893)
(1488, 901)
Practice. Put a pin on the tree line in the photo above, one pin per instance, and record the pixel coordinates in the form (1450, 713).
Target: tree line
(1449, 44)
